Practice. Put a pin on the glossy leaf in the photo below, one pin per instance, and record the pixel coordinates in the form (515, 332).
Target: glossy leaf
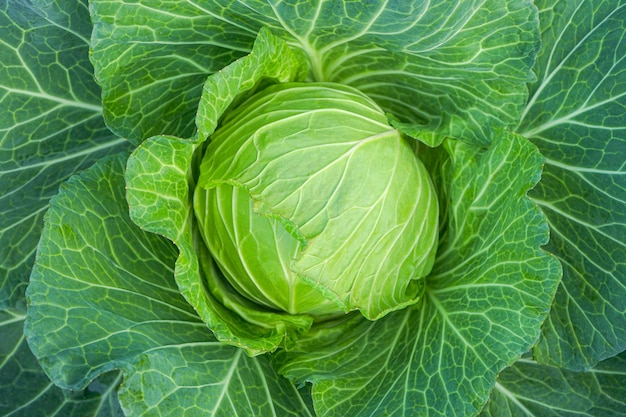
(322, 159)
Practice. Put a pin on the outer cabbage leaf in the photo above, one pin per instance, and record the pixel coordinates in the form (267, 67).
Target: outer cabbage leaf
(51, 123)
(483, 306)
(160, 175)
(102, 296)
(531, 389)
(101, 291)
(152, 57)
(576, 118)
(458, 67)
(194, 381)
(27, 391)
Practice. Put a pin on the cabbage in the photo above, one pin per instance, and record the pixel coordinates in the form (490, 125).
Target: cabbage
(297, 208)
(332, 212)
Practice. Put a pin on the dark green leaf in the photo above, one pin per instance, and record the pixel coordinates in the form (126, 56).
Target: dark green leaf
(101, 291)
(531, 389)
(577, 118)
(51, 124)
(27, 391)
(152, 58)
(195, 381)
(448, 68)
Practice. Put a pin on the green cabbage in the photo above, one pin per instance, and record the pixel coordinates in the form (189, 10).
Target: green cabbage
(340, 215)
(312, 208)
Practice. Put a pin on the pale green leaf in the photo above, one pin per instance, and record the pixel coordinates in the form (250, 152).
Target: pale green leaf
(322, 158)
(484, 303)
(51, 122)
(576, 116)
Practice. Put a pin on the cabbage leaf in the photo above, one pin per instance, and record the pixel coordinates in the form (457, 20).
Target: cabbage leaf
(51, 123)
(458, 68)
(576, 117)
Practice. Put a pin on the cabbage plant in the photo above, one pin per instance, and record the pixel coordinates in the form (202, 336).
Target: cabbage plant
(329, 208)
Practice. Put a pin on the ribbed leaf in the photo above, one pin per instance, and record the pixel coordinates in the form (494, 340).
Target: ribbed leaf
(194, 381)
(152, 58)
(529, 389)
(323, 159)
(51, 123)
(576, 118)
(27, 391)
(483, 306)
(101, 291)
(103, 296)
(444, 68)
(160, 176)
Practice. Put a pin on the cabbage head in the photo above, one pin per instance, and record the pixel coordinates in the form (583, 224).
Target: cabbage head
(311, 203)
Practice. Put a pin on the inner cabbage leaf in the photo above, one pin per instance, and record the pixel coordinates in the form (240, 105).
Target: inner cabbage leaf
(322, 159)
